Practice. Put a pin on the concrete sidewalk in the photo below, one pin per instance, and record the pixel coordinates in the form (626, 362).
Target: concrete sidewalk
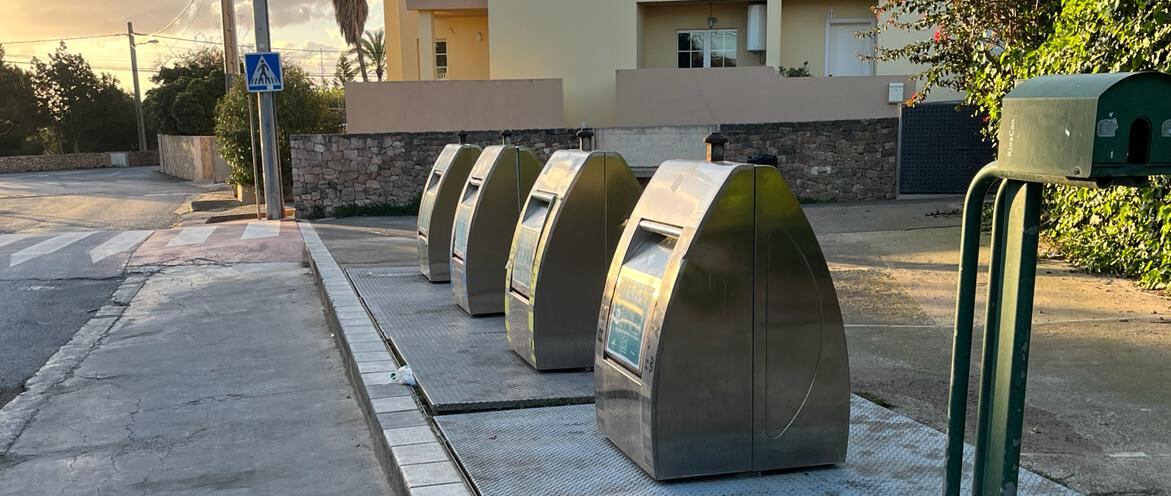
(1099, 412)
(198, 379)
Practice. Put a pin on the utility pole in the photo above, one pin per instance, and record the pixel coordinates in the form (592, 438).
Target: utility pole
(269, 152)
(137, 90)
(231, 51)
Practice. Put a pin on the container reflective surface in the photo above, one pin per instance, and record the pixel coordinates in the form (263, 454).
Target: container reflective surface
(720, 346)
(485, 218)
(561, 251)
(441, 194)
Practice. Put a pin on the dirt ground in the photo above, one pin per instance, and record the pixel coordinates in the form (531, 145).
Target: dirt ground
(1099, 402)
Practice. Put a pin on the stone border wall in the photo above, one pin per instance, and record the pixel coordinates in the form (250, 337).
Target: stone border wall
(822, 161)
(332, 170)
(74, 161)
(825, 161)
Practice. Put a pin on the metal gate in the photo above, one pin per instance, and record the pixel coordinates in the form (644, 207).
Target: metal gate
(941, 148)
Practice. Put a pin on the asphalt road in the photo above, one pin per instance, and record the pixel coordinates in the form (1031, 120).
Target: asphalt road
(45, 299)
(131, 198)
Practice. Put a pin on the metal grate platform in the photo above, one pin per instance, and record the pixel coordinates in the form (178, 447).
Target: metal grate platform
(558, 450)
(461, 363)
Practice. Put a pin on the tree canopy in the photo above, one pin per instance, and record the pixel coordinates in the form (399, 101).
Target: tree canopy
(20, 117)
(86, 111)
(184, 101)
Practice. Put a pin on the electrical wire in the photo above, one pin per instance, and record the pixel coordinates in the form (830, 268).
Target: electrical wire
(47, 40)
(101, 68)
(177, 17)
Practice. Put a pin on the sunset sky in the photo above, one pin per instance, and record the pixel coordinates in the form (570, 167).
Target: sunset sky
(299, 24)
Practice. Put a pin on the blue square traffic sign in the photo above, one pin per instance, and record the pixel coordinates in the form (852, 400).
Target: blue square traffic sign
(263, 71)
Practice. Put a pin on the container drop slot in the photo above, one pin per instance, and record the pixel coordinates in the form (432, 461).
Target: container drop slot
(531, 228)
(636, 293)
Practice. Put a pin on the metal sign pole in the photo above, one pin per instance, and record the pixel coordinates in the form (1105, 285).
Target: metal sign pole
(252, 146)
(269, 149)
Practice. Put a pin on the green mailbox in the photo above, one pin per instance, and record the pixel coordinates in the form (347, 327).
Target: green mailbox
(1097, 128)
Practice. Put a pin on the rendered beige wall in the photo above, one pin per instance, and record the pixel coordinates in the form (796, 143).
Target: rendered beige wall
(581, 42)
(803, 29)
(418, 106)
(661, 23)
(402, 36)
(744, 95)
(466, 57)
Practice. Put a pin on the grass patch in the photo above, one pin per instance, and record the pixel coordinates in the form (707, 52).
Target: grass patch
(376, 209)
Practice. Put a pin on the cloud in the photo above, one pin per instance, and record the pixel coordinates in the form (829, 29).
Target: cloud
(33, 19)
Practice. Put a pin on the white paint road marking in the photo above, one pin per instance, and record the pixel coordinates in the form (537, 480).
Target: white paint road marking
(118, 244)
(47, 246)
(7, 239)
(262, 229)
(192, 236)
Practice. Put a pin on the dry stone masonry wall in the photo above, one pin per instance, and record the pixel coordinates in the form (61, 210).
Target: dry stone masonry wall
(827, 160)
(822, 161)
(385, 169)
(73, 161)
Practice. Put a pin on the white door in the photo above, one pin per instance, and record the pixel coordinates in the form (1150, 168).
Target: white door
(844, 49)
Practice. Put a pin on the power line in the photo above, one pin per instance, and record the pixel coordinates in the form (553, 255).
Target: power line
(177, 17)
(101, 68)
(46, 40)
(210, 42)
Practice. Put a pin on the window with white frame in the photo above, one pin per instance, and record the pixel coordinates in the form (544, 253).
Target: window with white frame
(707, 48)
(440, 59)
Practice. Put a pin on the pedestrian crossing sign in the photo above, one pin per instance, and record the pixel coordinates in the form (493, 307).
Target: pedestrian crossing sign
(263, 71)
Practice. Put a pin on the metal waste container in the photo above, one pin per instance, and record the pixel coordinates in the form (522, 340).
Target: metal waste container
(560, 254)
(720, 345)
(441, 194)
(484, 222)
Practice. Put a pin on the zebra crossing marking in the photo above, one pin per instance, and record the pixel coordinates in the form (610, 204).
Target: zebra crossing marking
(47, 246)
(7, 239)
(192, 236)
(118, 244)
(262, 229)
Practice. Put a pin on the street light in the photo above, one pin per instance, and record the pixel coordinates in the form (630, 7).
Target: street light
(137, 91)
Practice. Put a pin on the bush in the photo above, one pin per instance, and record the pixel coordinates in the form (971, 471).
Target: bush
(301, 108)
(1121, 231)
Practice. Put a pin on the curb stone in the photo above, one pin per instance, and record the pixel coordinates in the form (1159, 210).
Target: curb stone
(414, 458)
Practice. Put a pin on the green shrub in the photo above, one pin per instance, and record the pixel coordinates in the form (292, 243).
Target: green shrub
(301, 108)
(1120, 231)
(377, 209)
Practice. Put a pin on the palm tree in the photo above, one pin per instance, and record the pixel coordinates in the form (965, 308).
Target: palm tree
(351, 20)
(373, 48)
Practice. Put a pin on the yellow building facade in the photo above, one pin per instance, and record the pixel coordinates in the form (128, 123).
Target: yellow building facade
(584, 43)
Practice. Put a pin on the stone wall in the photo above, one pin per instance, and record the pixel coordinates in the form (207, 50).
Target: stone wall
(822, 161)
(194, 158)
(387, 168)
(826, 160)
(75, 161)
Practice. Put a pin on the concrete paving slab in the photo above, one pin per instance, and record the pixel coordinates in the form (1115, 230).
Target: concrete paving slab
(558, 450)
(191, 392)
(461, 363)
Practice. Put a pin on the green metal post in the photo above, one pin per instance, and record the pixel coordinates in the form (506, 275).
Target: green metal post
(998, 437)
(992, 312)
(961, 353)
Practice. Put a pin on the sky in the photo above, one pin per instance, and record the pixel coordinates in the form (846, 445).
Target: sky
(306, 25)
